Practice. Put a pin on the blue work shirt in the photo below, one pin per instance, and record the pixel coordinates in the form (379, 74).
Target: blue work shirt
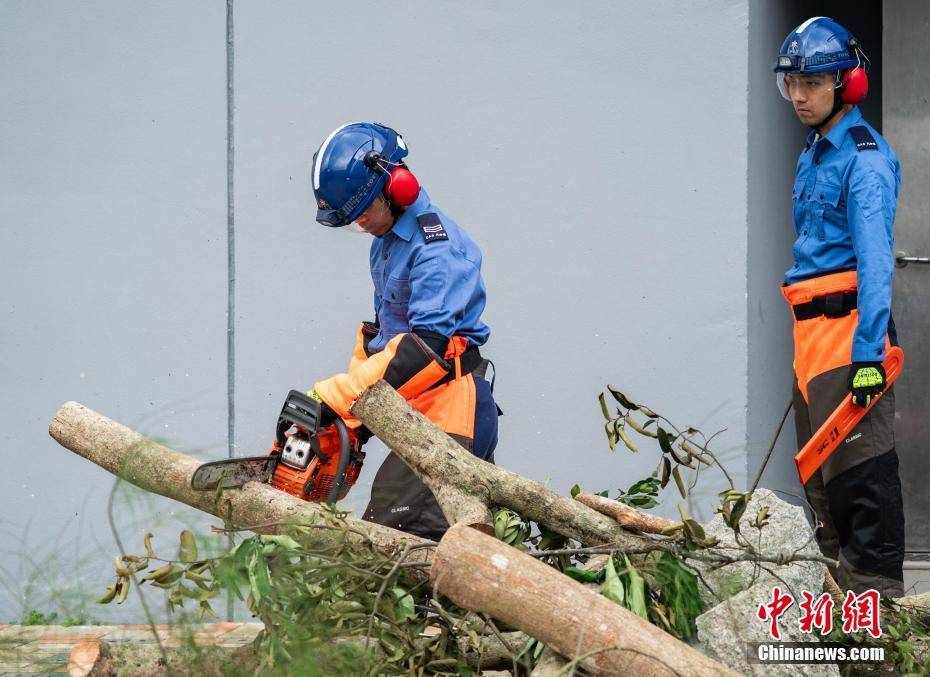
(433, 284)
(844, 200)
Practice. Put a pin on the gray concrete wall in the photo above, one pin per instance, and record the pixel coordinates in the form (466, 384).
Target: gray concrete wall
(775, 139)
(603, 177)
(112, 270)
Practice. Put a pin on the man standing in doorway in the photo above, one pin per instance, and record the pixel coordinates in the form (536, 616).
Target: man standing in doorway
(844, 201)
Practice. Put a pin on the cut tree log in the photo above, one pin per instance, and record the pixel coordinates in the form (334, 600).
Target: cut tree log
(629, 518)
(467, 487)
(551, 663)
(156, 468)
(481, 573)
(103, 659)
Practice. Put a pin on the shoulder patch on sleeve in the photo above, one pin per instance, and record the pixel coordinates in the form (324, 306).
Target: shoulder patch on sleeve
(432, 227)
(863, 138)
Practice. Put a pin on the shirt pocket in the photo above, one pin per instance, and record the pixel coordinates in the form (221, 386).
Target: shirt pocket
(395, 300)
(828, 214)
(397, 290)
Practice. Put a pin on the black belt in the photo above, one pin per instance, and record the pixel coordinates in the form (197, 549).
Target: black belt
(469, 361)
(831, 305)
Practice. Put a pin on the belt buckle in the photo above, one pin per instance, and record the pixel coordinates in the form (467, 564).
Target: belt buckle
(834, 306)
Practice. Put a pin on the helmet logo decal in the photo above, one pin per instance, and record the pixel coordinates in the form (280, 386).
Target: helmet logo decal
(793, 48)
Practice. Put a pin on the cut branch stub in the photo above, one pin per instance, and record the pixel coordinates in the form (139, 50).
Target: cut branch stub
(628, 517)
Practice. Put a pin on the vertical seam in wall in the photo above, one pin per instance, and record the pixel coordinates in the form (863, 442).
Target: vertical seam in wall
(747, 280)
(230, 258)
(230, 235)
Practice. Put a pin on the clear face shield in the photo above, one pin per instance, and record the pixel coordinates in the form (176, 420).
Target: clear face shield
(809, 83)
(372, 217)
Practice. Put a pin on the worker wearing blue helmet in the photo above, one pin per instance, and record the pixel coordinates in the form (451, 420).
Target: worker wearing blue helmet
(428, 300)
(839, 289)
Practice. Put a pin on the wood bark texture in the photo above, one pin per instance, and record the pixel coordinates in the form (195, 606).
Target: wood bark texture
(156, 468)
(480, 573)
(461, 481)
(627, 517)
(103, 659)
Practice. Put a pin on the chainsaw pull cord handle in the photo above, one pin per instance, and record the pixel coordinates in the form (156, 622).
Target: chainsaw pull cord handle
(344, 452)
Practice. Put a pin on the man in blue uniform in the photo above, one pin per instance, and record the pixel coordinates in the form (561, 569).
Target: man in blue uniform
(844, 200)
(428, 301)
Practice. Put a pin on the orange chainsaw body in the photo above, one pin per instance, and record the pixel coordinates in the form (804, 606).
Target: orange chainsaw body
(314, 480)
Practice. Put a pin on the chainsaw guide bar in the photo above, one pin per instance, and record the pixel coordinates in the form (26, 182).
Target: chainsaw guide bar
(233, 472)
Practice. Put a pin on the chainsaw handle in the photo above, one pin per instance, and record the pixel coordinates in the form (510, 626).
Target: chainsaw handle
(344, 452)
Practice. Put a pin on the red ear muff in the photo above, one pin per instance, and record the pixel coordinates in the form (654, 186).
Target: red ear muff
(855, 84)
(402, 187)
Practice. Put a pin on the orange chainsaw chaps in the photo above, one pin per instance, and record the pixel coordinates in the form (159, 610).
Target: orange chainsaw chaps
(824, 343)
(844, 418)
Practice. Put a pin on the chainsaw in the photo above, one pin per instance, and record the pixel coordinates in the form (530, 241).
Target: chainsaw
(841, 422)
(308, 460)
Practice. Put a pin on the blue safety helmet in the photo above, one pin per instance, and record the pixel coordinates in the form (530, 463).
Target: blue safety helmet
(350, 169)
(819, 44)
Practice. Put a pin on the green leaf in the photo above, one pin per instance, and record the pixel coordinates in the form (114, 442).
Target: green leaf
(259, 577)
(634, 424)
(285, 542)
(636, 590)
(626, 440)
(405, 608)
(575, 490)
(622, 399)
(664, 441)
(612, 587)
(584, 575)
(644, 502)
(187, 552)
(646, 486)
(682, 459)
(666, 471)
(537, 650)
(611, 435)
(679, 482)
(736, 512)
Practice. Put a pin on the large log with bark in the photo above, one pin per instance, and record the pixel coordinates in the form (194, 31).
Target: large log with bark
(482, 575)
(479, 572)
(466, 487)
(156, 468)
